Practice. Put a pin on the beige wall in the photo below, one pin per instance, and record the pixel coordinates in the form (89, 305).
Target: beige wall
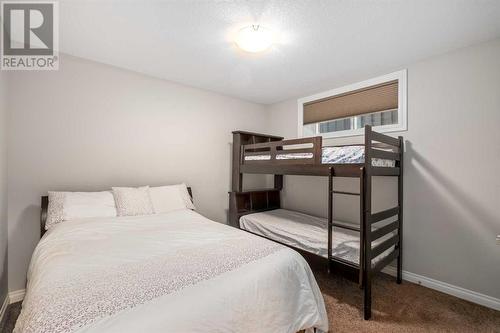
(452, 188)
(3, 187)
(90, 126)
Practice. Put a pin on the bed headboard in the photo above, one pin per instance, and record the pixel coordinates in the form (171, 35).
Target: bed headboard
(45, 206)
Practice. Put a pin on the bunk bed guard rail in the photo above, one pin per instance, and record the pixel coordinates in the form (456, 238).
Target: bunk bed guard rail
(294, 151)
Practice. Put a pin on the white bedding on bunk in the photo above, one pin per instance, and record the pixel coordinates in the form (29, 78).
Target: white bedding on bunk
(172, 272)
(330, 155)
(308, 233)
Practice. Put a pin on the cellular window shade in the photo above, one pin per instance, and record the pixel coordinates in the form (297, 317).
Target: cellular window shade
(376, 98)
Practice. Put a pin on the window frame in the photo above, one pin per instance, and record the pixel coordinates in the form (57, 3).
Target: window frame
(400, 76)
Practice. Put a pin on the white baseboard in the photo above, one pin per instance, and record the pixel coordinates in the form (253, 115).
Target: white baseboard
(468, 295)
(4, 307)
(16, 296)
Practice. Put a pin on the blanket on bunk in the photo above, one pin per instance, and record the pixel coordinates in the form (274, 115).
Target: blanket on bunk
(329, 155)
(308, 233)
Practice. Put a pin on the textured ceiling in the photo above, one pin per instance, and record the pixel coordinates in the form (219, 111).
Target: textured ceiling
(322, 44)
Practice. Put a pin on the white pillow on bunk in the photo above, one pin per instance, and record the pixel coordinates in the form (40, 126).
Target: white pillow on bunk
(170, 197)
(64, 206)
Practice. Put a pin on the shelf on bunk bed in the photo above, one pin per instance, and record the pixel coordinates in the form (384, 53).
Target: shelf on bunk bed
(257, 190)
(259, 200)
(250, 211)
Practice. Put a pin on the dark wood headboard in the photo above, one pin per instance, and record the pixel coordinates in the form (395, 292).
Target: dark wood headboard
(45, 206)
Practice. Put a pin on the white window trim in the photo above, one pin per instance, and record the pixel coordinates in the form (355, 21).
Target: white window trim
(402, 105)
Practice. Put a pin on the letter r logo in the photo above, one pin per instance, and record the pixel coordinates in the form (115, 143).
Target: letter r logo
(28, 28)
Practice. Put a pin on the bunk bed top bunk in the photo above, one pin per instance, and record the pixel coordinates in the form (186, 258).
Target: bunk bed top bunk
(265, 154)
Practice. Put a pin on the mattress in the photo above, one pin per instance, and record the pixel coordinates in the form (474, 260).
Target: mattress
(330, 155)
(171, 272)
(308, 233)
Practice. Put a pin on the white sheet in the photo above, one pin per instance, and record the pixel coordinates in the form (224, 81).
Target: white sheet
(308, 233)
(174, 272)
(330, 155)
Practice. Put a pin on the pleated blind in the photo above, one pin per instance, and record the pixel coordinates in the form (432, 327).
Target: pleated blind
(376, 98)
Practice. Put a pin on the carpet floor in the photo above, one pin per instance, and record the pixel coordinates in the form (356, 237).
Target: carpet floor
(407, 308)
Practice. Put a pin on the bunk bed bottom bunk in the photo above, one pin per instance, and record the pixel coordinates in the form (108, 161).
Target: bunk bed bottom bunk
(309, 233)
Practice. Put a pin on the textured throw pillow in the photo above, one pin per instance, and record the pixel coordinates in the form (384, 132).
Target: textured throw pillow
(131, 201)
(171, 197)
(64, 206)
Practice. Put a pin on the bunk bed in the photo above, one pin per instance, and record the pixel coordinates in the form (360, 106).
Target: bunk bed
(356, 250)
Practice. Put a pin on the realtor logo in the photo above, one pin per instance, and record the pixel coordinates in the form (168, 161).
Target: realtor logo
(29, 35)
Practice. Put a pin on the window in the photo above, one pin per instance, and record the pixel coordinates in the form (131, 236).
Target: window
(380, 102)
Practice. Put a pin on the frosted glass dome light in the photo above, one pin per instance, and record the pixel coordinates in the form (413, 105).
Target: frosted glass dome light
(254, 38)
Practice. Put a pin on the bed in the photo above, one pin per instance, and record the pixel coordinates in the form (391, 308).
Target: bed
(175, 272)
(357, 251)
(310, 233)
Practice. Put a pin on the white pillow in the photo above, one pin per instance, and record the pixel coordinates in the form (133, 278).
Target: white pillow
(65, 206)
(132, 201)
(171, 197)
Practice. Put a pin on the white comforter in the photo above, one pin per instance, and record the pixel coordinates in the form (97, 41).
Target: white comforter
(175, 272)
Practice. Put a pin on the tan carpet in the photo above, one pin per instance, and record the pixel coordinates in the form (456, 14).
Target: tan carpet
(396, 308)
(401, 308)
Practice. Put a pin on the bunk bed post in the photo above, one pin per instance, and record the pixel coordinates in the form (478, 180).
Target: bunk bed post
(330, 217)
(399, 278)
(367, 276)
(237, 177)
(361, 224)
(318, 149)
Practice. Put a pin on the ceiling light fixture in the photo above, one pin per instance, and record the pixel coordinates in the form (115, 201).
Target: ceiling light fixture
(254, 38)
